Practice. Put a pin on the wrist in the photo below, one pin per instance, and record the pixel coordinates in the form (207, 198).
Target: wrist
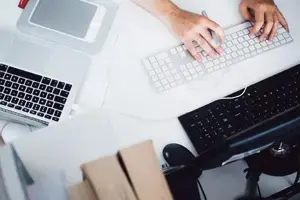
(165, 9)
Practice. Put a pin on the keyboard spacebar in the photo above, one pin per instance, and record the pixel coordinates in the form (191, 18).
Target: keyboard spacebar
(24, 74)
(273, 129)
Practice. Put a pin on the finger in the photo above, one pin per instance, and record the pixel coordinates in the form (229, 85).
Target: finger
(205, 46)
(245, 12)
(268, 27)
(283, 21)
(216, 28)
(259, 21)
(190, 46)
(208, 37)
(274, 29)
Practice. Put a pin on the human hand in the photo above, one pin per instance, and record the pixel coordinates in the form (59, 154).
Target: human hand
(263, 13)
(191, 27)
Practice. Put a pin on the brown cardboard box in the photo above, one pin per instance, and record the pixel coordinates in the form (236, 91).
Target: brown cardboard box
(133, 174)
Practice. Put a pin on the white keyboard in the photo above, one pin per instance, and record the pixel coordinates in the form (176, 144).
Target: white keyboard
(176, 66)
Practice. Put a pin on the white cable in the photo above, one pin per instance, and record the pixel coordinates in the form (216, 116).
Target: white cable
(230, 98)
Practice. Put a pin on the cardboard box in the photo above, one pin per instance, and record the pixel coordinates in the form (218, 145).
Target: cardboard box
(133, 174)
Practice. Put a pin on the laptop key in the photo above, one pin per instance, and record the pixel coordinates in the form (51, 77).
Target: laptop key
(21, 95)
(50, 111)
(29, 90)
(64, 93)
(56, 91)
(42, 101)
(47, 116)
(22, 88)
(49, 104)
(43, 94)
(25, 109)
(7, 76)
(18, 107)
(15, 86)
(2, 82)
(10, 105)
(3, 103)
(42, 87)
(22, 103)
(49, 89)
(8, 83)
(58, 106)
(57, 113)
(36, 107)
(21, 80)
(35, 99)
(46, 80)
(1, 88)
(50, 96)
(40, 114)
(1, 74)
(55, 119)
(61, 85)
(3, 67)
(28, 97)
(35, 85)
(14, 93)
(1, 96)
(7, 98)
(14, 78)
(68, 87)
(54, 83)
(29, 105)
(60, 99)
(7, 91)
(15, 100)
(36, 92)
(33, 112)
(43, 109)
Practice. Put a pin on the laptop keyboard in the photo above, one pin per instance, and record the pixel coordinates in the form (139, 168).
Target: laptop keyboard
(32, 93)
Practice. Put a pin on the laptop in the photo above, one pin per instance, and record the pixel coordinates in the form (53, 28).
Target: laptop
(43, 65)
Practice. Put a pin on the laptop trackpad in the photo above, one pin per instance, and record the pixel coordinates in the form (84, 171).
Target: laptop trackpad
(28, 55)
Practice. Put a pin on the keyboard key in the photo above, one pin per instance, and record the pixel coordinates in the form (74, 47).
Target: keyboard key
(64, 93)
(25, 110)
(240, 46)
(14, 93)
(208, 64)
(57, 113)
(42, 101)
(42, 87)
(234, 48)
(21, 80)
(35, 99)
(2, 82)
(55, 119)
(3, 103)
(240, 33)
(46, 80)
(241, 39)
(58, 106)
(15, 86)
(283, 41)
(50, 111)
(54, 83)
(21, 95)
(7, 76)
(47, 116)
(35, 85)
(36, 107)
(163, 55)
(40, 114)
(228, 37)
(43, 109)
(14, 78)
(257, 46)
(28, 82)
(49, 89)
(33, 112)
(49, 104)
(43, 94)
(1, 89)
(36, 92)
(22, 88)
(29, 105)
(234, 35)
(3, 67)
(18, 107)
(246, 50)
(50, 97)
(8, 83)
(7, 91)
(1, 74)
(29, 90)
(28, 97)
(7, 98)
(10, 105)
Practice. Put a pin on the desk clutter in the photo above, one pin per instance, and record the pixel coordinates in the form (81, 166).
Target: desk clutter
(134, 173)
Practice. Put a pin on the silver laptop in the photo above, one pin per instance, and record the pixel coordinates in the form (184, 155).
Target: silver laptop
(43, 66)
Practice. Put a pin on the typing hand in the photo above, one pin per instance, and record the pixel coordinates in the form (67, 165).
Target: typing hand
(263, 12)
(191, 27)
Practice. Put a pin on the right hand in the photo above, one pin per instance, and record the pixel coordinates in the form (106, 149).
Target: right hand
(191, 27)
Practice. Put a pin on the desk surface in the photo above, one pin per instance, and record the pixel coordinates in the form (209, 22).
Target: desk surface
(143, 113)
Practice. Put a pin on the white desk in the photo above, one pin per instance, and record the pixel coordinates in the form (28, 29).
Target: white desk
(130, 40)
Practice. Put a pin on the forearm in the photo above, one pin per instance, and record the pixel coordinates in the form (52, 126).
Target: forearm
(159, 8)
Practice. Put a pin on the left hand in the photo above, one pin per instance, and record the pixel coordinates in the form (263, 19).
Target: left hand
(263, 12)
